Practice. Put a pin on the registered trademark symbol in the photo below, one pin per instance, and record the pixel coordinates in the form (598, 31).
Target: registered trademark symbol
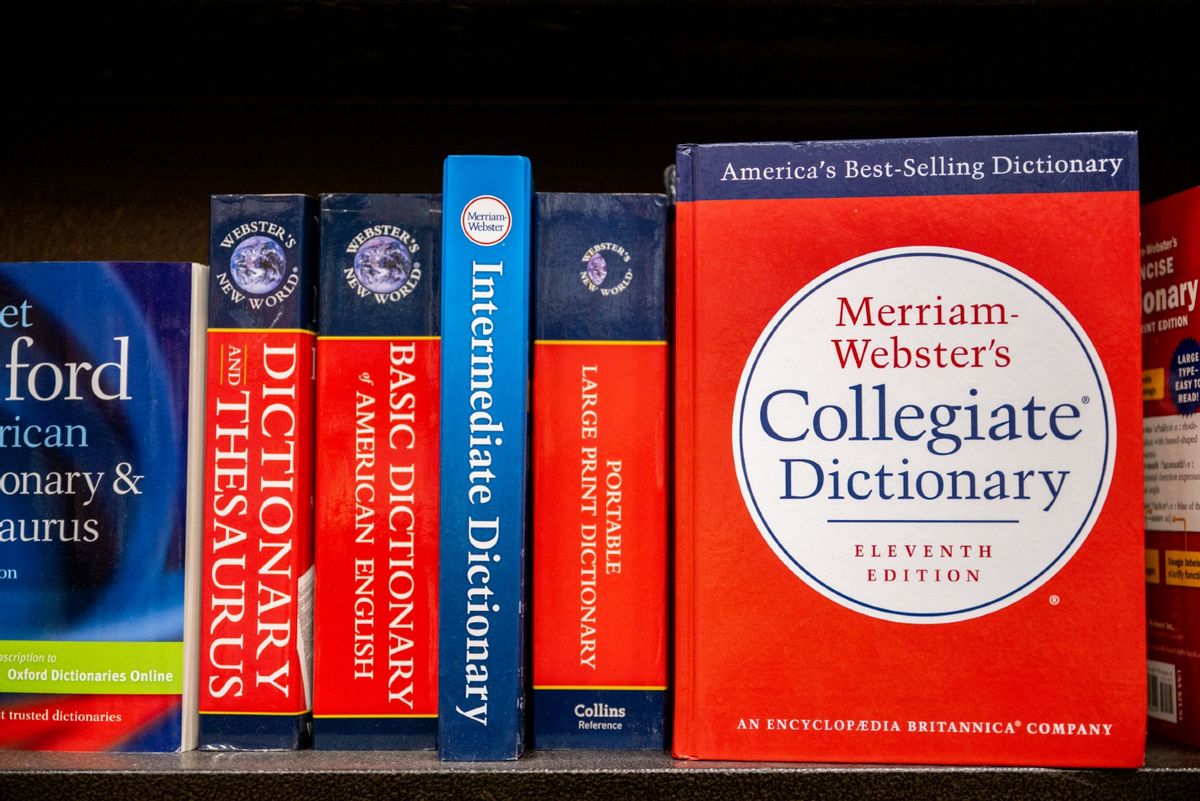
(1055, 600)
(1086, 400)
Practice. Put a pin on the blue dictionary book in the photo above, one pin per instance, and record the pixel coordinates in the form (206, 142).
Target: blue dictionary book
(100, 447)
(487, 204)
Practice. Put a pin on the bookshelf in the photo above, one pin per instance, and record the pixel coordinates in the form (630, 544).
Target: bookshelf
(1171, 772)
(120, 120)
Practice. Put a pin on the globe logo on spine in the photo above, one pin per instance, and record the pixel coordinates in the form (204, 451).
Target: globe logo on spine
(603, 260)
(597, 270)
(258, 265)
(924, 435)
(383, 264)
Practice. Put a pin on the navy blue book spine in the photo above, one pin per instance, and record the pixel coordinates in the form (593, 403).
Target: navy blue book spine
(486, 287)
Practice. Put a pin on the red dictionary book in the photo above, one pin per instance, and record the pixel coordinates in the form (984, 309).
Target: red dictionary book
(256, 606)
(378, 357)
(600, 472)
(1171, 398)
(907, 449)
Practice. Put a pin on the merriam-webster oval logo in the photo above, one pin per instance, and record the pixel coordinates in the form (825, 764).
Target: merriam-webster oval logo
(602, 269)
(384, 263)
(924, 435)
(486, 220)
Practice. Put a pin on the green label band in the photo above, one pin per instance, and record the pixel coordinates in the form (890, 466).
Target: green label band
(91, 668)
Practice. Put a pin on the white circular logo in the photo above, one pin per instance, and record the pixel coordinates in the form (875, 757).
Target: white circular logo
(924, 435)
(486, 220)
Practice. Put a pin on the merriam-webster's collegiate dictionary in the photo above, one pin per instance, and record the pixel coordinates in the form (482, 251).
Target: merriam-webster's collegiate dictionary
(101, 439)
(256, 627)
(378, 357)
(486, 229)
(1171, 398)
(599, 534)
(909, 483)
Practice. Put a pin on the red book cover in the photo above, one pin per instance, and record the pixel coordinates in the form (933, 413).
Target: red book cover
(907, 434)
(1171, 397)
(600, 472)
(256, 607)
(378, 358)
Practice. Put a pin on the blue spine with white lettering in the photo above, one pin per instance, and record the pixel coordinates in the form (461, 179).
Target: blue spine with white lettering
(486, 279)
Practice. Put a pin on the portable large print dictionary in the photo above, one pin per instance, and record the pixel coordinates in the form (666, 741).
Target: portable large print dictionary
(1171, 397)
(101, 439)
(600, 472)
(908, 448)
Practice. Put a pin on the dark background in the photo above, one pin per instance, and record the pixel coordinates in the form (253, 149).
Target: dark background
(120, 119)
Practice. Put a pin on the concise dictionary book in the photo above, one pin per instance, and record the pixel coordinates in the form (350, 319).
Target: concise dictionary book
(256, 627)
(599, 535)
(486, 288)
(908, 440)
(378, 357)
(1171, 398)
(101, 440)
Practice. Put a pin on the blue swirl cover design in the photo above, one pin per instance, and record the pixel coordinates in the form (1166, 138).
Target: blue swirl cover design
(98, 371)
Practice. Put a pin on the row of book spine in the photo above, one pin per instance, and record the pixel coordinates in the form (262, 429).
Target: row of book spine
(366, 464)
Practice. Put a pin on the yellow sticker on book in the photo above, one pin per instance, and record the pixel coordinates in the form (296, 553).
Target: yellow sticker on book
(1153, 384)
(1183, 568)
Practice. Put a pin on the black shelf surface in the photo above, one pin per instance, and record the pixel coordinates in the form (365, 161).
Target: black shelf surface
(1170, 772)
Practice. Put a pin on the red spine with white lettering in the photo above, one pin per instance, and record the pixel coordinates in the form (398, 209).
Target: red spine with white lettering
(600, 421)
(375, 667)
(377, 511)
(256, 608)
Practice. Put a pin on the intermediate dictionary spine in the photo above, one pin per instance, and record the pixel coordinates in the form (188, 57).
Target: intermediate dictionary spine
(378, 357)
(256, 624)
(600, 471)
(485, 371)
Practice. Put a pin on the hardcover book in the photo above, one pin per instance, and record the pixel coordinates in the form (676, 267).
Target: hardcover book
(907, 449)
(1171, 397)
(486, 280)
(599, 534)
(256, 628)
(101, 432)
(378, 357)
